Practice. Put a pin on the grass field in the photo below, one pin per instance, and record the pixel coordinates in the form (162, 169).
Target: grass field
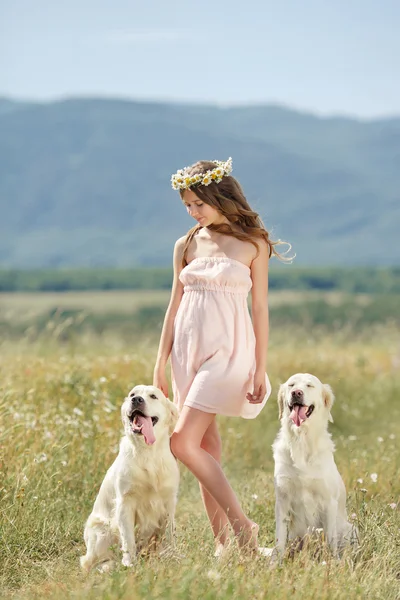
(27, 305)
(59, 432)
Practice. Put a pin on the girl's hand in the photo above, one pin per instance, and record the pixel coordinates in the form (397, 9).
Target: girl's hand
(259, 388)
(160, 380)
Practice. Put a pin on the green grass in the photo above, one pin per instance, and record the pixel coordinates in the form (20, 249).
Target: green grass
(59, 432)
(76, 316)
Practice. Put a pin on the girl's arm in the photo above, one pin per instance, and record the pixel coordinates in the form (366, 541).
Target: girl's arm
(167, 334)
(260, 317)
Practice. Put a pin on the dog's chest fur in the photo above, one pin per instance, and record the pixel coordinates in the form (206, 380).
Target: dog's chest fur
(148, 480)
(305, 474)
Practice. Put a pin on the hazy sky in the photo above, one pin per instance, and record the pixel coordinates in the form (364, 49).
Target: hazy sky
(328, 56)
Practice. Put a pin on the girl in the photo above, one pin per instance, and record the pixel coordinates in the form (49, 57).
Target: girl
(218, 355)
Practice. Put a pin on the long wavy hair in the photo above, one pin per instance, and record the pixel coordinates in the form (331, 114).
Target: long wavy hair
(228, 198)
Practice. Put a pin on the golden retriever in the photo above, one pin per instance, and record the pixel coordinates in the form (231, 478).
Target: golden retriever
(310, 493)
(136, 502)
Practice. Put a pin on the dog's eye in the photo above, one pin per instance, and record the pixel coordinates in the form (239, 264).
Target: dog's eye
(153, 396)
(290, 384)
(309, 385)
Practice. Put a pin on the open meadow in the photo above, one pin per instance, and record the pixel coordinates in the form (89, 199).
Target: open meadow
(63, 377)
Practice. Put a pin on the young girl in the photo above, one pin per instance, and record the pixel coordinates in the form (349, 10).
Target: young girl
(218, 355)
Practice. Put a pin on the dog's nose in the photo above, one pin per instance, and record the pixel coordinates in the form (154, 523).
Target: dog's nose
(137, 401)
(297, 395)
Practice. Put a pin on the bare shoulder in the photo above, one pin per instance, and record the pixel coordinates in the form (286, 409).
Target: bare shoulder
(180, 242)
(263, 245)
(178, 249)
(262, 256)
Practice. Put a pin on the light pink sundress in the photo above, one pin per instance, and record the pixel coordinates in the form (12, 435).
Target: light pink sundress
(213, 352)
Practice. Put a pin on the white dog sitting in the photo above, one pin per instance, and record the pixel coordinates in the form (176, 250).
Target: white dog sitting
(310, 493)
(136, 502)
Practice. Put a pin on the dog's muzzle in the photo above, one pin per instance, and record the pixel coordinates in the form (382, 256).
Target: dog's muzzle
(138, 402)
(299, 412)
(141, 423)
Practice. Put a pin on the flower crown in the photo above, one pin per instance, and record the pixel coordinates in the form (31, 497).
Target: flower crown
(181, 180)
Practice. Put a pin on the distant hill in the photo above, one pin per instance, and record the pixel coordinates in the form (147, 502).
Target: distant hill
(85, 182)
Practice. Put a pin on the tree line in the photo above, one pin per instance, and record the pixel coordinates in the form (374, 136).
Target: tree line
(368, 280)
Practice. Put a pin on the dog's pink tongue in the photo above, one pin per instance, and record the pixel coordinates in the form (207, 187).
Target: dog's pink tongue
(147, 429)
(298, 414)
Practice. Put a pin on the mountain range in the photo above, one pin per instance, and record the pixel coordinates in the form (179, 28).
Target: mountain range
(86, 181)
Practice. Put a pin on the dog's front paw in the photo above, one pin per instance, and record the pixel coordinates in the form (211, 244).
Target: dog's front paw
(127, 560)
(86, 563)
(275, 557)
(106, 567)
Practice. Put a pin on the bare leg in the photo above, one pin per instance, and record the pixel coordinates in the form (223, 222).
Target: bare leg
(186, 446)
(211, 443)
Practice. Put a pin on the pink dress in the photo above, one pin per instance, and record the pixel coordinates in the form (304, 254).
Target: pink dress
(213, 352)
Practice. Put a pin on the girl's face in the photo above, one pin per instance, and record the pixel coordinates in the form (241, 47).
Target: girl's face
(199, 210)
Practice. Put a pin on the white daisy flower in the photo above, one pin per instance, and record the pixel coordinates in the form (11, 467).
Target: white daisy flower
(207, 178)
(182, 180)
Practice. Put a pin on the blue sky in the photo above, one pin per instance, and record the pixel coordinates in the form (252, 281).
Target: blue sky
(325, 56)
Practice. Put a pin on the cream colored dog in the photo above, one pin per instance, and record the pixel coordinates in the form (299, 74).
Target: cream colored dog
(310, 493)
(136, 502)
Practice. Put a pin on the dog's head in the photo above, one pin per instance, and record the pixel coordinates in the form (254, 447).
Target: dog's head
(302, 398)
(148, 415)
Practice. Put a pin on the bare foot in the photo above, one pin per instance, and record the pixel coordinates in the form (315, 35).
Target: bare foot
(247, 538)
(219, 550)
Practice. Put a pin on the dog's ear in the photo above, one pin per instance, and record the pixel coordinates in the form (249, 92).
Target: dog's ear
(329, 398)
(281, 397)
(173, 417)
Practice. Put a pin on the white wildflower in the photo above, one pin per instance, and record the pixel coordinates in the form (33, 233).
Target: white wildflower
(103, 379)
(40, 458)
(352, 438)
(380, 439)
(78, 411)
(213, 575)
(254, 496)
(360, 480)
(393, 505)
(392, 436)
(374, 477)
(109, 406)
(207, 179)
